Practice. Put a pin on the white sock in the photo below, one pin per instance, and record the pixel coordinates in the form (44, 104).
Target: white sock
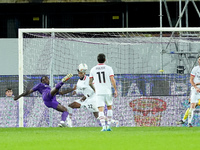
(69, 109)
(190, 115)
(102, 119)
(109, 116)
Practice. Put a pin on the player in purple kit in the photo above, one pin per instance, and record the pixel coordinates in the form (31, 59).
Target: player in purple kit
(49, 95)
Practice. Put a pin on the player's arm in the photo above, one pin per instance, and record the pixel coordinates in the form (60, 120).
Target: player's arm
(67, 91)
(91, 84)
(85, 96)
(193, 84)
(192, 81)
(23, 94)
(112, 79)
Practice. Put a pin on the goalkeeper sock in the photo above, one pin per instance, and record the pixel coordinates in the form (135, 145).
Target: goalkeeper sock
(64, 115)
(186, 115)
(58, 85)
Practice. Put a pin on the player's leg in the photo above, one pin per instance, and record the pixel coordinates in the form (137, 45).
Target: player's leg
(186, 115)
(102, 118)
(55, 90)
(182, 121)
(198, 104)
(193, 102)
(70, 107)
(91, 104)
(69, 118)
(57, 106)
(74, 105)
(191, 113)
(109, 112)
(96, 115)
(113, 121)
(64, 115)
(100, 105)
(109, 117)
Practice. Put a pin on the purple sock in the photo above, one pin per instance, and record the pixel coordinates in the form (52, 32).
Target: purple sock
(64, 115)
(58, 85)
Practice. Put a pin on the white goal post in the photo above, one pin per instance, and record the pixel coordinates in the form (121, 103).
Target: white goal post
(131, 51)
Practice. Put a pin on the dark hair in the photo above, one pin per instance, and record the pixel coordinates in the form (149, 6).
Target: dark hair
(101, 58)
(43, 77)
(8, 89)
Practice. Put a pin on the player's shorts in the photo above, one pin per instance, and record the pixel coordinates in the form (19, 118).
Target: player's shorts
(50, 101)
(104, 99)
(52, 104)
(195, 96)
(90, 103)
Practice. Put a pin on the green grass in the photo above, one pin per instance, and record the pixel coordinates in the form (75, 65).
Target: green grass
(122, 138)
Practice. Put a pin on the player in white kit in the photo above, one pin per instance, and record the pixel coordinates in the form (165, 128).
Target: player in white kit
(195, 91)
(88, 99)
(102, 75)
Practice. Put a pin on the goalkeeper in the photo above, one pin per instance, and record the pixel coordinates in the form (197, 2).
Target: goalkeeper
(49, 96)
(182, 121)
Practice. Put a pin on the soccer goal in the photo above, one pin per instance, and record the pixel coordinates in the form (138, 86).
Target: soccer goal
(151, 65)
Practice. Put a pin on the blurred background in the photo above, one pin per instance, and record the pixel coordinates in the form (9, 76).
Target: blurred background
(16, 14)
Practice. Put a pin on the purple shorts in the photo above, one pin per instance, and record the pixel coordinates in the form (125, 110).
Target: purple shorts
(50, 101)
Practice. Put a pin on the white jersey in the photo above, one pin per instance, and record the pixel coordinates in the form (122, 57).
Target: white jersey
(196, 73)
(84, 88)
(101, 74)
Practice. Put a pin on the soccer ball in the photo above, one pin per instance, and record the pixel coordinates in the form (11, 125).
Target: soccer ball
(82, 67)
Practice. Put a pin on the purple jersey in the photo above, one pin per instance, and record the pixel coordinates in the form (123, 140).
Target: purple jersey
(42, 88)
(45, 90)
(49, 100)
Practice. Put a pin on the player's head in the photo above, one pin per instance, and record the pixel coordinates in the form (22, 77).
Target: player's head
(9, 92)
(101, 58)
(45, 80)
(82, 68)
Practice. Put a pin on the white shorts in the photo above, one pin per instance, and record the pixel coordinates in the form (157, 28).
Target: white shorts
(104, 99)
(90, 103)
(195, 96)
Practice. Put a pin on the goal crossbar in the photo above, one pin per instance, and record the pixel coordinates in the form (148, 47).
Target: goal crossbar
(36, 30)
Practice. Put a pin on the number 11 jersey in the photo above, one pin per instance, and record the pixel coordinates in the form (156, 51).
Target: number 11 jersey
(101, 74)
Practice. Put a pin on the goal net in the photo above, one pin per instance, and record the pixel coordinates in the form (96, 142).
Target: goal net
(151, 65)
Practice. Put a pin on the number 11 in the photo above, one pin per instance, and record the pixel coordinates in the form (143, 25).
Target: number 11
(103, 74)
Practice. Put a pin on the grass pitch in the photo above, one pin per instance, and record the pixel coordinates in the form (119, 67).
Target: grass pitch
(90, 138)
